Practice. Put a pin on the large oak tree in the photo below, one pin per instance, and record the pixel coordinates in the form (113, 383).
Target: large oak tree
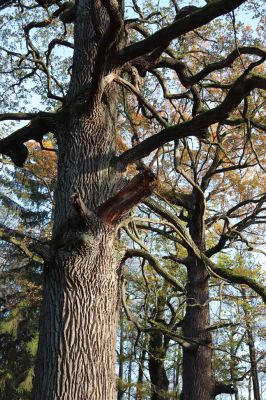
(83, 260)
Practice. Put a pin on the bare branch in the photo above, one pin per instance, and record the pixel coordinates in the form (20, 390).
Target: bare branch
(142, 100)
(195, 127)
(189, 80)
(236, 276)
(20, 241)
(183, 25)
(153, 262)
(19, 116)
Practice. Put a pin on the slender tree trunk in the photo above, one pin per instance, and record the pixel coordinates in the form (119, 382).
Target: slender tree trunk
(252, 350)
(129, 375)
(249, 389)
(178, 358)
(120, 392)
(158, 345)
(159, 380)
(233, 366)
(254, 370)
(236, 395)
(139, 394)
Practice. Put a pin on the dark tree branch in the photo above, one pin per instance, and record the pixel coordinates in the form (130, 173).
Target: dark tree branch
(181, 199)
(166, 94)
(13, 145)
(187, 343)
(231, 275)
(109, 40)
(142, 100)
(188, 80)
(40, 24)
(176, 223)
(6, 3)
(232, 232)
(19, 116)
(196, 19)
(221, 325)
(58, 42)
(221, 387)
(195, 127)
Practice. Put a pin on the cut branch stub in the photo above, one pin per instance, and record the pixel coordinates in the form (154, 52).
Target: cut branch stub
(18, 154)
(84, 213)
(141, 186)
(221, 387)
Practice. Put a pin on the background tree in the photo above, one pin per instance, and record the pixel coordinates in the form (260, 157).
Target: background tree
(25, 215)
(197, 325)
(82, 262)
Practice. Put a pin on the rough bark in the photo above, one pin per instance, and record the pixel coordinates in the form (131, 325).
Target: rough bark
(254, 369)
(82, 278)
(233, 371)
(79, 318)
(81, 291)
(78, 330)
(198, 379)
(198, 382)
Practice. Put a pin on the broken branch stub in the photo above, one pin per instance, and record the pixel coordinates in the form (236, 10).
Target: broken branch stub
(140, 187)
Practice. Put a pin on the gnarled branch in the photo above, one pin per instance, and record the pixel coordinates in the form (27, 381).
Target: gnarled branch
(195, 127)
(183, 25)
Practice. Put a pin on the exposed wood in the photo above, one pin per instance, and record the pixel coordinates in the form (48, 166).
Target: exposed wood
(133, 192)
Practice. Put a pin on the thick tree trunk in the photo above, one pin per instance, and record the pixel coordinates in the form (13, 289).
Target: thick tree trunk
(82, 280)
(76, 355)
(78, 332)
(198, 382)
